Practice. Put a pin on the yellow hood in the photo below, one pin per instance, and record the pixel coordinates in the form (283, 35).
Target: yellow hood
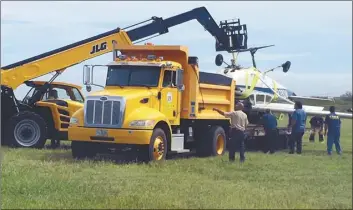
(127, 92)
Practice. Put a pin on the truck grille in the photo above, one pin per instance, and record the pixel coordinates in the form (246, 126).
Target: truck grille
(104, 111)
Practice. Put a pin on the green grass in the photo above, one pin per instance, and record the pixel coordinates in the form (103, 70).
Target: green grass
(52, 179)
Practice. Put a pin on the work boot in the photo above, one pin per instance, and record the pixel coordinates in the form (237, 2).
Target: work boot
(321, 138)
(55, 144)
(312, 137)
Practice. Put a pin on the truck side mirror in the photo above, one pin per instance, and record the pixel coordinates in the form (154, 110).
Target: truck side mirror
(88, 88)
(87, 79)
(179, 80)
(286, 66)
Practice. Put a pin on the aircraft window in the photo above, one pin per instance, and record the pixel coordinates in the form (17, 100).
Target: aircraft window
(252, 99)
(268, 99)
(260, 99)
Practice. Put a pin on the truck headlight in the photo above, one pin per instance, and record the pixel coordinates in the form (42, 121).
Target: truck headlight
(73, 120)
(141, 123)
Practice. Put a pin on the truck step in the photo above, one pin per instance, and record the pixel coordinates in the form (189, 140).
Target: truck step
(181, 151)
(178, 143)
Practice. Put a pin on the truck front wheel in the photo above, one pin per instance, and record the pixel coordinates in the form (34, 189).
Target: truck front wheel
(157, 149)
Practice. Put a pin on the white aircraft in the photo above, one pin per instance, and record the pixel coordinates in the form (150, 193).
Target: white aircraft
(264, 92)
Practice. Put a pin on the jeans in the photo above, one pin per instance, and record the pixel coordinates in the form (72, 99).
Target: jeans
(333, 139)
(271, 139)
(296, 138)
(237, 139)
(313, 132)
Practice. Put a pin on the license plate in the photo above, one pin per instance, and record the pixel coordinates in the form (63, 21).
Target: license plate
(102, 132)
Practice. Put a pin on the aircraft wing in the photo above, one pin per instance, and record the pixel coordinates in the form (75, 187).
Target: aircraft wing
(310, 98)
(309, 111)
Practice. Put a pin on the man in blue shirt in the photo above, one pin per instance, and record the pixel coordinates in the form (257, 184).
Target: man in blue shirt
(298, 121)
(269, 122)
(333, 125)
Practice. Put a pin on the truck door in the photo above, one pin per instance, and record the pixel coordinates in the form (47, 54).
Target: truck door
(169, 96)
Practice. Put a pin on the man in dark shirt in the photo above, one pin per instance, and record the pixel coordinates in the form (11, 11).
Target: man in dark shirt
(317, 125)
(298, 121)
(269, 122)
(333, 125)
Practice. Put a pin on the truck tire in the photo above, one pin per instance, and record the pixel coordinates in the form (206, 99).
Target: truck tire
(26, 129)
(83, 150)
(157, 149)
(213, 142)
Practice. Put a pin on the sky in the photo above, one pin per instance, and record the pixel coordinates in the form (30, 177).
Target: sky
(315, 36)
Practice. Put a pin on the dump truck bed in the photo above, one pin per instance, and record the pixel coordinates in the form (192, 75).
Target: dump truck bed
(212, 91)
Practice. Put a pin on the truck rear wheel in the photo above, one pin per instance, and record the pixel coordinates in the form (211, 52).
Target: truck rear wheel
(212, 142)
(157, 149)
(83, 150)
(26, 129)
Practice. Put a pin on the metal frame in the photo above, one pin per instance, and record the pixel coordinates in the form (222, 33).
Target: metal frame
(122, 101)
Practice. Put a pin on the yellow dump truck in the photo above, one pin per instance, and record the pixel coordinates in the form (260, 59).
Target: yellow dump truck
(154, 96)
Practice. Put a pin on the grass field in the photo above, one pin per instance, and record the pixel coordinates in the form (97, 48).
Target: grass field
(52, 179)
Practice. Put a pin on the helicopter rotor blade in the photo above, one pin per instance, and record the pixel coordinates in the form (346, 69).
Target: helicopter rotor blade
(253, 48)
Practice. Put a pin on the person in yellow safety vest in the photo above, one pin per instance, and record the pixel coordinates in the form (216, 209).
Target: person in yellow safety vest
(317, 125)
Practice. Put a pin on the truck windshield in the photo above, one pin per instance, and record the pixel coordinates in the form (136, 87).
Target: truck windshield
(147, 76)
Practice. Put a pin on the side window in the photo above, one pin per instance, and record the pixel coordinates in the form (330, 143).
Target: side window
(169, 78)
(56, 93)
(29, 95)
(62, 93)
(77, 95)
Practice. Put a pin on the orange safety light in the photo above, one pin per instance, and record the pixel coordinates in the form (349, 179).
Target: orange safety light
(148, 43)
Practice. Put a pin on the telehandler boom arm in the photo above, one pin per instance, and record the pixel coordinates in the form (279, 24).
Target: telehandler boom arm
(17, 73)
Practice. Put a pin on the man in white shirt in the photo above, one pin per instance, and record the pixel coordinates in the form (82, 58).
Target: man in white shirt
(238, 123)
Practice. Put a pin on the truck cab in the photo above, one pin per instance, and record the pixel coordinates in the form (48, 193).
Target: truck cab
(138, 94)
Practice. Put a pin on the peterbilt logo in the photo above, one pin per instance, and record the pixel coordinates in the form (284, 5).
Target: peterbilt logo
(103, 98)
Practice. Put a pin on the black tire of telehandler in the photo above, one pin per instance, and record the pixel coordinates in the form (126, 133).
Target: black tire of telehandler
(3, 140)
(83, 150)
(207, 144)
(145, 153)
(36, 125)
